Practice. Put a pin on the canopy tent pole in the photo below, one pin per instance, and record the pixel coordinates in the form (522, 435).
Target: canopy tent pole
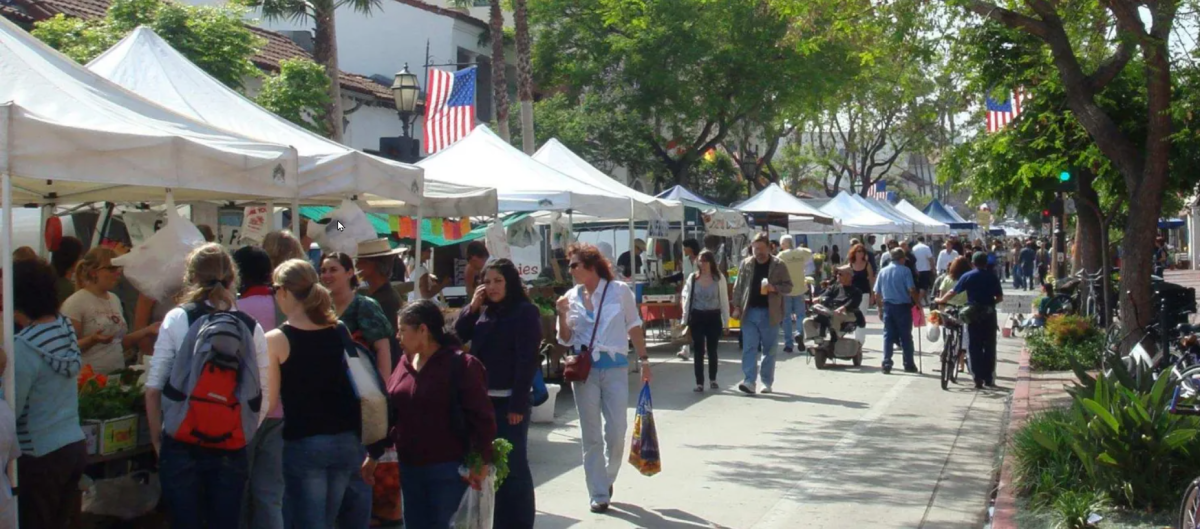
(633, 267)
(271, 218)
(296, 219)
(43, 251)
(6, 262)
(570, 229)
(417, 255)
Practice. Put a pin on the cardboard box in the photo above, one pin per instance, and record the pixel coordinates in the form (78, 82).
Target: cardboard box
(91, 431)
(118, 434)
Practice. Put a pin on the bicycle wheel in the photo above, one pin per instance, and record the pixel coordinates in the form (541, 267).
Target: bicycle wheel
(947, 364)
(1189, 508)
(956, 355)
(1188, 380)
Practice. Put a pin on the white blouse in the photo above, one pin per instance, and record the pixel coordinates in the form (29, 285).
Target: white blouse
(617, 317)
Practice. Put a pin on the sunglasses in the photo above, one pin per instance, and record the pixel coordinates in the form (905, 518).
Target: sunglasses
(275, 289)
(111, 268)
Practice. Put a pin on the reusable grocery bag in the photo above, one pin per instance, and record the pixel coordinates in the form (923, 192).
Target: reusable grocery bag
(644, 451)
(156, 266)
(477, 507)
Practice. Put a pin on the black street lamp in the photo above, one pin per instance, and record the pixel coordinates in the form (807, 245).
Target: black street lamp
(405, 91)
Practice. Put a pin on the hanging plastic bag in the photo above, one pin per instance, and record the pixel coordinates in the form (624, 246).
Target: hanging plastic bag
(342, 229)
(918, 316)
(127, 497)
(644, 453)
(477, 507)
(156, 266)
(934, 333)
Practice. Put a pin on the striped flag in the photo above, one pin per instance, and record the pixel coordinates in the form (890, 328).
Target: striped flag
(878, 191)
(450, 108)
(1000, 114)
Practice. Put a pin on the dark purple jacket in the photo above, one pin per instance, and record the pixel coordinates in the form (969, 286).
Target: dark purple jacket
(506, 340)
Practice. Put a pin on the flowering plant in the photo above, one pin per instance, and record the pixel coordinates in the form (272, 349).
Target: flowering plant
(99, 400)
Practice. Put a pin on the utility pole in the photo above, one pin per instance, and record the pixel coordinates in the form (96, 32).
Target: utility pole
(1058, 263)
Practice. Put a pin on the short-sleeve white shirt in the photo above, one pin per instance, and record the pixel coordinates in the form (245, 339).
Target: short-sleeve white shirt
(923, 256)
(618, 315)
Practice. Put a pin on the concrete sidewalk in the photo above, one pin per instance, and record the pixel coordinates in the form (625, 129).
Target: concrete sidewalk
(843, 447)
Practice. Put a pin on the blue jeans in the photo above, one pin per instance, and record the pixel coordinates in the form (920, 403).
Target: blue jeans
(757, 330)
(319, 473)
(201, 487)
(1027, 279)
(792, 306)
(262, 507)
(515, 503)
(431, 494)
(897, 326)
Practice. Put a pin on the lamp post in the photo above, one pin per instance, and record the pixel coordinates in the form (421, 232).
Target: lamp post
(405, 91)
(749, 167)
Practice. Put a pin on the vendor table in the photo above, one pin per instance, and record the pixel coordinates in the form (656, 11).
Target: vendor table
(660, 312)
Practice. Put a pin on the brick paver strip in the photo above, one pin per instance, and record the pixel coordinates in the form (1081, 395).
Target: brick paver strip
(1005, 514)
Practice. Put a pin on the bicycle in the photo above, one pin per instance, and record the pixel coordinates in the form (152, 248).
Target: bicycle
(1189, 508)
(952, 351)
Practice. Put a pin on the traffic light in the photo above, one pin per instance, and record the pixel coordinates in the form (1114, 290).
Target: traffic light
(1066, 181)
(1045, 215)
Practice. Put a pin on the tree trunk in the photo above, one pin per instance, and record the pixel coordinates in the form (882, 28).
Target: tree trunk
(524, 76)
(499, 75)
(1089, 222)
(325, 52)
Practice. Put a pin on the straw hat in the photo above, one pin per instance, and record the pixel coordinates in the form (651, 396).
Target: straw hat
(376, 248)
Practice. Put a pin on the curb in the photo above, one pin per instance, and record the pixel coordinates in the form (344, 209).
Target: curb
(1005, 516)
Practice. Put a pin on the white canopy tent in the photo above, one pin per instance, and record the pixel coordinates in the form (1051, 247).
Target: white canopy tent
(857, 218)
(774, 200)
(645, 207)
(147, 65)
(927, 224)
(67, 135)
(905, 224)
(482, 159)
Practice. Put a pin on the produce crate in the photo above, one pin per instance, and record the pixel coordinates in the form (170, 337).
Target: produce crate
(659, 298)
(118, 434)
(91, 433)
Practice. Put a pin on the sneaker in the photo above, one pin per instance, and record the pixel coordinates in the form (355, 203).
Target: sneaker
(699, 389)
(978, 385)
(599, 508)
(714, 385)
(745, 389)
(887, 370)
(911, 369)
(682, 355)
(787, 349)
(766, 390)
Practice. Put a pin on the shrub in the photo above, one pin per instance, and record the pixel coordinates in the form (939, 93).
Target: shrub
(1042, 471)
(1064, 329)
(1045, 354)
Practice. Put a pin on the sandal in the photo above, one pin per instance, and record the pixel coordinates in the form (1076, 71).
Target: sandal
(699, 389)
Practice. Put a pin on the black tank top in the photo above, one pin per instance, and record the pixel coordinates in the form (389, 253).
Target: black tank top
(861, 280)
(316, 392)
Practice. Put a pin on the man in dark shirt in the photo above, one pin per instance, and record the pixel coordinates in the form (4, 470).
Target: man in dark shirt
(983, 293)
(639, 247)
(842, 299)
(1026, 259)
(374, 265)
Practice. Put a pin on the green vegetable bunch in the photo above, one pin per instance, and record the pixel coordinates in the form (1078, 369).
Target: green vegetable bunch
(108, 402)
(500, 449)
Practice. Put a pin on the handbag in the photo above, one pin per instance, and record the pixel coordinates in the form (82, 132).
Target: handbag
(685, 334)
(368, 387)
(577, 367)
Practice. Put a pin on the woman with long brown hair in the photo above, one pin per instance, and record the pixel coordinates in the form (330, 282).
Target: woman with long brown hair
(361, 314)
(861, 270)
(599, 317)
(706, 306)
(322, 450)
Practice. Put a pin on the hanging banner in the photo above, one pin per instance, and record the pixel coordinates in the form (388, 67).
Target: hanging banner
(229, 227)
(394, 224)
(659, 228)
(496, 240)
(724, 223)
(435, 227)
(254, 224)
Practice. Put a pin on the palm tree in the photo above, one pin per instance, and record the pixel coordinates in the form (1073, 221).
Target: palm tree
(499, 75)
(325, 50)
(524, 75)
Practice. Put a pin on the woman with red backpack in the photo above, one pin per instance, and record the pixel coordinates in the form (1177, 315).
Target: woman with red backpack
(322, 449)
(204, 394)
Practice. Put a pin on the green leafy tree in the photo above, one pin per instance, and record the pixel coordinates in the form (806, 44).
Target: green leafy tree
(212, 37)
(322, 14)
(1090, 44)
(689, 71)
(297, 93)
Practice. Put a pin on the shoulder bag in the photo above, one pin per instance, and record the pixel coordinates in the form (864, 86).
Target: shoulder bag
(577, 367)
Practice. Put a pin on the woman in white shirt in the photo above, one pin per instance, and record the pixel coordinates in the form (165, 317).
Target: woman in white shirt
(97, 315)
(599, 317)
(200, 483)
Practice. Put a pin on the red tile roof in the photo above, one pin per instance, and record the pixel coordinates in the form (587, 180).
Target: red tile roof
(459, 15)
(277, 47)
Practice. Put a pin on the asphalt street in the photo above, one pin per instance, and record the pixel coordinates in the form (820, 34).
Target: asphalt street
(843, 447)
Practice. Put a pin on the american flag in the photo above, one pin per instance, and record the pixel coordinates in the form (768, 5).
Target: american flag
(1002, 113)
(878, 191)
(450, 111)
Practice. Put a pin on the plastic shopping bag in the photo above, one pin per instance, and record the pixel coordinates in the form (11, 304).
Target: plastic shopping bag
(934, 333)
(918, 316)
(477, 507)
(385, 501)
(342, 229)
(156, 266)
(643, 453)
(127, 497)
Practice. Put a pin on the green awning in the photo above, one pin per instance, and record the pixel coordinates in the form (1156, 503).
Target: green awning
(380, 223)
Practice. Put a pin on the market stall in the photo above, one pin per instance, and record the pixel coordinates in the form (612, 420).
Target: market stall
(938, 212)
(857, 218)
(928, 224)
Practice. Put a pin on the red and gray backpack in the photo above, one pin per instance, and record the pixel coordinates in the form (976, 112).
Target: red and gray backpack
(213, 396)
